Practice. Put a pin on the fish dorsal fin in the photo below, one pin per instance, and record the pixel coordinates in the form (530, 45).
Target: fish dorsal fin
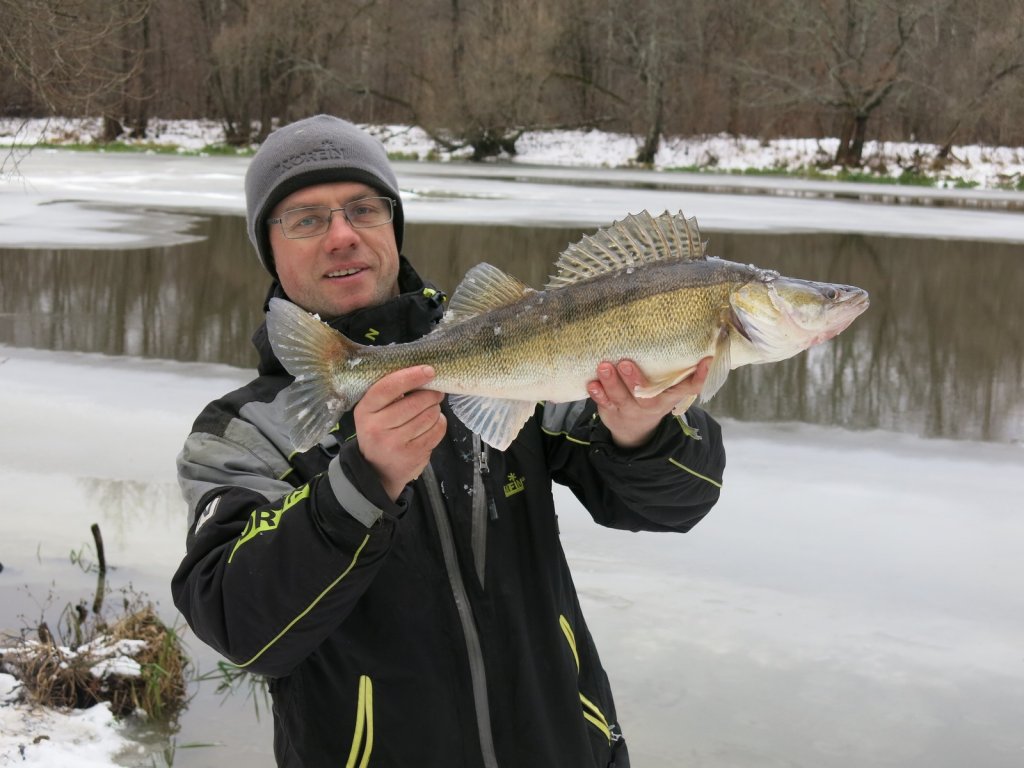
(638, 239)
(485, 287)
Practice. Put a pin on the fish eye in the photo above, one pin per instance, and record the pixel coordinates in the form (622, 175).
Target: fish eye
(831, 293)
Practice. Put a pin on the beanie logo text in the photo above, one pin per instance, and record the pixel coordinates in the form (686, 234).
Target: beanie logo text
(327, 152)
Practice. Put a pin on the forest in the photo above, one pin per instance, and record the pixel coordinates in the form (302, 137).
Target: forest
(478, 73)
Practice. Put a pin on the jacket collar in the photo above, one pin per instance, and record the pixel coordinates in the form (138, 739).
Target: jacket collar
(410, 315)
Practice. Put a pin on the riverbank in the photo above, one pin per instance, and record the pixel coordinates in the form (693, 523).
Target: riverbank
(892, 163)
(63, 198)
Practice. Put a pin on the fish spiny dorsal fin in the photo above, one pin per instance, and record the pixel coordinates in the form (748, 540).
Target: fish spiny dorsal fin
(484, 287)
(687, 243)
(636, 240)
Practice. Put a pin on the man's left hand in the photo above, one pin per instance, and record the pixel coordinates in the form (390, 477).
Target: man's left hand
(631, 419)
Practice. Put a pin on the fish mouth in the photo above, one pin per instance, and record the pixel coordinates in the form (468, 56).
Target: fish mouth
(851, 299)
(848, 303)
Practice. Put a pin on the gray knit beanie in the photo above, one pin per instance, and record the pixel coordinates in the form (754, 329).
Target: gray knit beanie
(316, 150)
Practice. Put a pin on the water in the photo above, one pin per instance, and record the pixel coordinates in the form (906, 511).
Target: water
(939, 353)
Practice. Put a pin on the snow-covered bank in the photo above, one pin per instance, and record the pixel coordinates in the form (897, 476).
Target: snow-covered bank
(34, 736)
(93, 200)
(852, 596)
(58, 198)
(969, 165)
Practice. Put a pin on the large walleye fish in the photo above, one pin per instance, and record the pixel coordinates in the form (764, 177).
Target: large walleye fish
(641, 289)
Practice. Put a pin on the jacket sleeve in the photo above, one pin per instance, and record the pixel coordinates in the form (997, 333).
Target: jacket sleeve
(668, 484)
(271, 569)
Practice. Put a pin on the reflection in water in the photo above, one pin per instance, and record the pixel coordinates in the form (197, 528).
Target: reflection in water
(939, 353)
(199, 301)
(128, 504)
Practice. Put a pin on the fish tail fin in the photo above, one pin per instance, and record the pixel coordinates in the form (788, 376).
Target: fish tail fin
(311, 351)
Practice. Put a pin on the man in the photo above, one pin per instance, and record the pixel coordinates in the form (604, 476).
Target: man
(401, 586)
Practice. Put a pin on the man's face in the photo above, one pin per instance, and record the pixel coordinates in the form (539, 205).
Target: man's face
(342, 270)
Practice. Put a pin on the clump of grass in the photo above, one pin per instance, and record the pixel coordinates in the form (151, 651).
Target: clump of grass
(231, 680)
(132, 660)
(224, 150)
(961, 183)
(160, 690)
(403, 156)
(135, 147)
(684, 169)
(136, 663)
(774, 170)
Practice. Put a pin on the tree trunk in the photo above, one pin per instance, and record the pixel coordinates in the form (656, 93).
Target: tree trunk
(656, 117)
(843, 150)
(860, 129)
(144, 89)
(851, 143)
(652, 141)
(112, 129)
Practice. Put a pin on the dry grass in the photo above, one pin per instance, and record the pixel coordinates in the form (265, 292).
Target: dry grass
(135, 661)
(62, 677)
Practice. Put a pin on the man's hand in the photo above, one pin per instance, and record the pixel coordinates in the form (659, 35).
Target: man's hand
(631, 419)
(398, 425)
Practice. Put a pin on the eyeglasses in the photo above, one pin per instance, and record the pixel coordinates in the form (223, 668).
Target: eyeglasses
(316, 219)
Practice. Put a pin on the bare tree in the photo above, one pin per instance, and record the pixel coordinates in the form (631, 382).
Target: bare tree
(848, 56)
(729, 32)
(965, 87)
(581, 90)
(486, 89)
(478, 73)
(649, 49)
(69, 53)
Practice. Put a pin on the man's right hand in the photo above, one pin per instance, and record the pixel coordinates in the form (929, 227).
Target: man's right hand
(398, 424)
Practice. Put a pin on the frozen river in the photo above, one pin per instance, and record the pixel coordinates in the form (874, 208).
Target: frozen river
(853, 600)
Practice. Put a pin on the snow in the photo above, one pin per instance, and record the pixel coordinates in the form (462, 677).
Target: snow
(852, 600)
(985, 166)
(32, 736)
(57, 198)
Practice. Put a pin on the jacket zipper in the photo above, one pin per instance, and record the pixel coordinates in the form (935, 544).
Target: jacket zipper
(484, 508)
(477, 671)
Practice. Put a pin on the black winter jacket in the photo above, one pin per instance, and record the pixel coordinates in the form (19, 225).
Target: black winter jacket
(440, 630)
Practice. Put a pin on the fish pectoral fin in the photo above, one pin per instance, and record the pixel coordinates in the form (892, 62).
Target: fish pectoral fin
(496, 420)
(485, 287)
(721, 364)
(655, 388)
